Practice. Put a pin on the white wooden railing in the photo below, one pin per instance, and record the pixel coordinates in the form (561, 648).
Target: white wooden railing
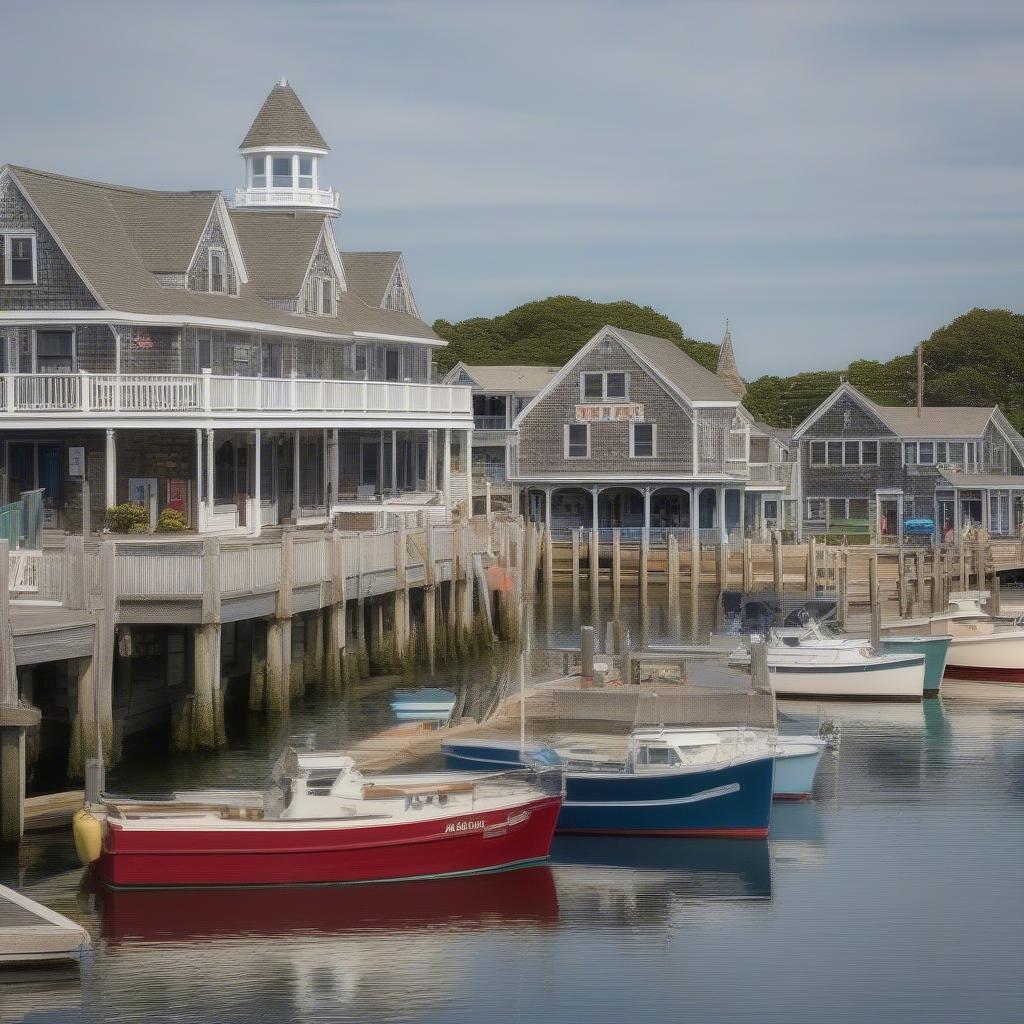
(210, 393)
(319, 198)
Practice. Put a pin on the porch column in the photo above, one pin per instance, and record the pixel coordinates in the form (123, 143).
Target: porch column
(595, 522)
(547, 507)
(647, 508)
(332, 468)
(446, 471)
(394, 461)
(209, 476)
(467, 463)
(198, 524)
(296, 476)
(723, 529)
(743, 511)
(110, 465)
(257, 512)
(431, 460)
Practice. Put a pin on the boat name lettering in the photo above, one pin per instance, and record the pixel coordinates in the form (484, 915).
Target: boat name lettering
(465, 826)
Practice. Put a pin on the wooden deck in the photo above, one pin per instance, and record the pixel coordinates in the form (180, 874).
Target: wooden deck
(31, 933)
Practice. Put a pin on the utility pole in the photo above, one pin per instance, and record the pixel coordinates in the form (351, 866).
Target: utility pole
(920, 377)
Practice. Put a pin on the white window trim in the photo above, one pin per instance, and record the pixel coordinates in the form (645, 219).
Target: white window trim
(565, 440)
(7, 237)
(817, 464)
(225, 276)
(633, 424)
(604, 386)
(55, 330)
(252, 170)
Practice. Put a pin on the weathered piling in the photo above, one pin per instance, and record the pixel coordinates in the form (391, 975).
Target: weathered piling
(748, 565)
(875, 602)
(778, 577)
(257, 665)
(812, 566)
(645, 556)
(594, 567)
(722, 564)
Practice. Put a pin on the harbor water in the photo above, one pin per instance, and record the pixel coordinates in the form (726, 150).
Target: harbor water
(897, 894)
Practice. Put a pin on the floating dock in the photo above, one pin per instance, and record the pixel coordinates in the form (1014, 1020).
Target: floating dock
(33, 934)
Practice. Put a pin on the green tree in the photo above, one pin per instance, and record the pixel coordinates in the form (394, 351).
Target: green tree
(549, 332)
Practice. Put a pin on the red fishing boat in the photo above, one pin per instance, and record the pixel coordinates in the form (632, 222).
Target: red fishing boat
(322, 820)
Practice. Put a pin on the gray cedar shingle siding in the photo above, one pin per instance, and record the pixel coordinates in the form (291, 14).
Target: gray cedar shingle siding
(541, 431)
(198, 273)
(58, 287)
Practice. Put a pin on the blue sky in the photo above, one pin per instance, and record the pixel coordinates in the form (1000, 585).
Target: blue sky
(839, 179)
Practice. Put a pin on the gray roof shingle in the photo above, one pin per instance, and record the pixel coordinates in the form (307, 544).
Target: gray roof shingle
(283, 121)
(368, 273)
(696, 382)
(86, 217)
(277, 246)
(934, 421)
(524, 380)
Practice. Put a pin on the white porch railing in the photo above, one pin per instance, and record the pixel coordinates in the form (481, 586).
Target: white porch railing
(210, 393)
(318, 198)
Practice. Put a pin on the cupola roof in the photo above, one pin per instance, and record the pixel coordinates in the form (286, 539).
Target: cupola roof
(283, 121)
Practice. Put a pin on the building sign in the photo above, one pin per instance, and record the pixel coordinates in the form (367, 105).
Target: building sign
(609, 411)
(76, 463)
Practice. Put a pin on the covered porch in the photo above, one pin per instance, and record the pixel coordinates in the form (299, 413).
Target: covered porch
(716, 510)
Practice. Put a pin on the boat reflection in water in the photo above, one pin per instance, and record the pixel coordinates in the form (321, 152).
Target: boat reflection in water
(525, 896)
(649, 875)
(798, 837)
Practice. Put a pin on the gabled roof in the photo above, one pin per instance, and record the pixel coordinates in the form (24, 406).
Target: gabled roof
(278, 245)
(693, 380)
(85, 218)
(523, 380)
(904, 421)
(369, 273)
(283, 121)
(690, 381)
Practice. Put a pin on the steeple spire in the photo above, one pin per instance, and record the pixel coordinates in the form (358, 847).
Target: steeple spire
(727, 368)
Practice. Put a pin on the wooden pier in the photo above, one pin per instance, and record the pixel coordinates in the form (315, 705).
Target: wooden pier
(310, 607)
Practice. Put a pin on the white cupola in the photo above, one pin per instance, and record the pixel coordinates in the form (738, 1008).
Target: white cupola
(282, 153)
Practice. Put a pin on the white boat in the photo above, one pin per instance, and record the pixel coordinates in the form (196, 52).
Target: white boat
(982, 646)
(426, 704)
(796, 763)
(849, 673)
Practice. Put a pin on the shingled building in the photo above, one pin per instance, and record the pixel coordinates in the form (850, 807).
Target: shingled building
(226, 361)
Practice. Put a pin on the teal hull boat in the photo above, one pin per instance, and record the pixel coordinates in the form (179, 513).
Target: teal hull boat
(934, 648)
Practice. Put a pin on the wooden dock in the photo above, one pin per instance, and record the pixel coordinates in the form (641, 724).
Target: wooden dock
(32, 934)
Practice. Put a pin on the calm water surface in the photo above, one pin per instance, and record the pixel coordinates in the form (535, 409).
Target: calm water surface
(897, 895)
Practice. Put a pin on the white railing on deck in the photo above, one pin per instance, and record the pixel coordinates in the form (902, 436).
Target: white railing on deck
(206, 392)
(154, 574)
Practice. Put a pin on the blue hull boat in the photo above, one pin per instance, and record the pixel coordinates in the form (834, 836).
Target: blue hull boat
(644, 797)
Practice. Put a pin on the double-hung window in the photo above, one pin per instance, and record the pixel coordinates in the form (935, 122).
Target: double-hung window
(869, 453)
(817, 509)
(641, 440)
(305, 172)
(577, 441)
(600, 386)
(327, 297)
(218, 279)
(818, 454)
(926, 453)
(19, 249)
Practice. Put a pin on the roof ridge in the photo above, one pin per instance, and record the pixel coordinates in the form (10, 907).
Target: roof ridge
(112, 186)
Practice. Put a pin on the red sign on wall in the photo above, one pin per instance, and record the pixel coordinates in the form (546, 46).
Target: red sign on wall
(177, 495)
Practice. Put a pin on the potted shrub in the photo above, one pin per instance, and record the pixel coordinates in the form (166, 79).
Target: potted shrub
(128, 517)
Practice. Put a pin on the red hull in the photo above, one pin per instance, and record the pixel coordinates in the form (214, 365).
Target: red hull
(282, 854)
(691, 833)
(985, 675)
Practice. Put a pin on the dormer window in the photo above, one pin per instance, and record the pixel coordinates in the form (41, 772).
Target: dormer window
(218, 279)
(319, 300)
(259, 172)
(19, 251)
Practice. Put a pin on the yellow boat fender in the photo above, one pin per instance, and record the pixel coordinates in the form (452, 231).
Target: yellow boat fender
(88, 834)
